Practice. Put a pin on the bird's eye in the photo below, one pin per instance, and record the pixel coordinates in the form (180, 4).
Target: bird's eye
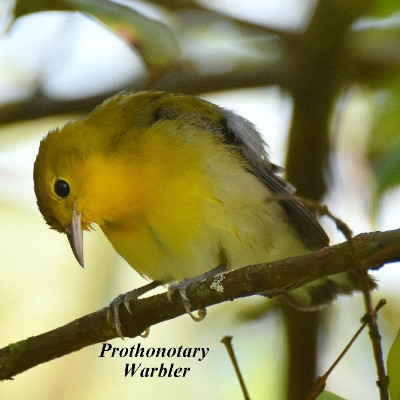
(61, 188)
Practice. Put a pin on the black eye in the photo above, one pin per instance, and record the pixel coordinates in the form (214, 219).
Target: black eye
(61, 188)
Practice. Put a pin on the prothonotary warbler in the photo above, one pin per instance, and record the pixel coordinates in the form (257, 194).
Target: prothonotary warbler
(180, 187)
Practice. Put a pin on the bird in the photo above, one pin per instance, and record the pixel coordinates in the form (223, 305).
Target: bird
(182, 188)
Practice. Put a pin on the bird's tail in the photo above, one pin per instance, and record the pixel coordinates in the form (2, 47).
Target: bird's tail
(316, 294)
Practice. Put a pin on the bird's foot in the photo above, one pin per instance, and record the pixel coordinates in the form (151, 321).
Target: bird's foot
(181, 288)
(113, 318)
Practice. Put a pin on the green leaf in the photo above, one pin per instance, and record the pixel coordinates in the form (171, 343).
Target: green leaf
(329, 396)
(24, 7)
(384, 142)
(393, 367)
(388, 169)
(152, 39)
(384, 8)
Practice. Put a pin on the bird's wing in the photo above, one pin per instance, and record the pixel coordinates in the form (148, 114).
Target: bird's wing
(242, 133)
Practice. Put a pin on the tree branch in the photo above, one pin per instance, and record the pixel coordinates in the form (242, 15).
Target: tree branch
(185, 80)
(270, 280)
(366, 68)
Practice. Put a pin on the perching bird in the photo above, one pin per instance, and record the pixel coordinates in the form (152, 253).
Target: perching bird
(180, 187)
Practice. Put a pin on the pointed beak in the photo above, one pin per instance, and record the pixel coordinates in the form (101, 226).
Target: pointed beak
(75, 236)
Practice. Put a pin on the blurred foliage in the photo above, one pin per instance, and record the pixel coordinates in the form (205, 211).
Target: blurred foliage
(384, 144)
(157, 44)
(384, 8)
(329, 396)
(393, 365)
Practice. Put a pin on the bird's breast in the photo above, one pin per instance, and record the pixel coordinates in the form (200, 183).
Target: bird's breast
(177, 206)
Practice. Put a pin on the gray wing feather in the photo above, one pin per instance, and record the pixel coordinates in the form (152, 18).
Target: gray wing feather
(243, 133)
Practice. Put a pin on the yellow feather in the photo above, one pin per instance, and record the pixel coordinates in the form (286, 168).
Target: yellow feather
(175, 199)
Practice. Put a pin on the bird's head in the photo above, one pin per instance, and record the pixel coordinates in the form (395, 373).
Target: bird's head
(119, 163)
(58, 187)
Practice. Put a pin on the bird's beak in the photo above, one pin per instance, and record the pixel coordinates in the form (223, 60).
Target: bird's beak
(75, 236)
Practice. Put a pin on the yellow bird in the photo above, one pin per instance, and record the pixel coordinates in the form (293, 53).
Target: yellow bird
(180, 187)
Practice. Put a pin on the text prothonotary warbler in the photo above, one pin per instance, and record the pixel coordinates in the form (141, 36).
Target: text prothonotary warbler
(180, 187)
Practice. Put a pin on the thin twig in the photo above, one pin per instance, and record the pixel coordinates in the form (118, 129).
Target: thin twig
(227, 341)
(383, 380)
(322, 209)
(321, 381)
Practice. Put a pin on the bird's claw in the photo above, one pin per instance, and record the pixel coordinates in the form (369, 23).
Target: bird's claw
(181, 288)
(127, 306)
(145, 333)
(113, 309)
(113, 318)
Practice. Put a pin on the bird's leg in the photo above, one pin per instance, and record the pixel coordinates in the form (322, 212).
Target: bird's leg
(182, 286)
(113, 308)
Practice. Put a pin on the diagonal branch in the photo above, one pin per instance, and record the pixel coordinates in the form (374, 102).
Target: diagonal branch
(270, 280)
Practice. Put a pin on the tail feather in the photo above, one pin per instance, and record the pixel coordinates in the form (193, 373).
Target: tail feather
(324, 291)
